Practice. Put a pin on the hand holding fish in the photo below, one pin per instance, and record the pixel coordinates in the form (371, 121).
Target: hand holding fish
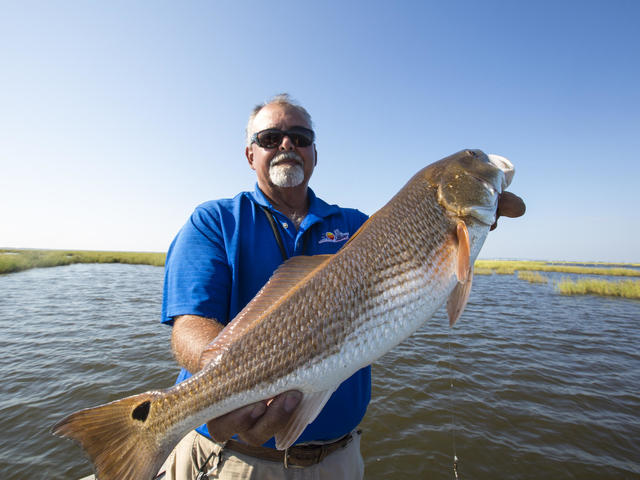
(258, 422)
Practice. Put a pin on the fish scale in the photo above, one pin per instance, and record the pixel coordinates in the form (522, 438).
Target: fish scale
(318, 320)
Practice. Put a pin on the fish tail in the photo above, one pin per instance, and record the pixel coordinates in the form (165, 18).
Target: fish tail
(117, 439)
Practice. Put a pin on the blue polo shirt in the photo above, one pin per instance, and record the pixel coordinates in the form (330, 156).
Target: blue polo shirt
(227, 251)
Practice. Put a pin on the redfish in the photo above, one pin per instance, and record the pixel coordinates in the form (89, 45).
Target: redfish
(317, 320)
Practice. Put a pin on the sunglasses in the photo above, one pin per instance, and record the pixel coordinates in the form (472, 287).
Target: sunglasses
(272, 137)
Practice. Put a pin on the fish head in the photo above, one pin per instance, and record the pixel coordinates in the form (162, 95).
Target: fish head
(469, 183)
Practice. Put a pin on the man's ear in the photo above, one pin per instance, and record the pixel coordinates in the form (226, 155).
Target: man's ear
(248, 152)
(315, 155)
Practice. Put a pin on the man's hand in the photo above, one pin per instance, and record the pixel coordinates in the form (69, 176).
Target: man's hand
(509, 205)
(258, 422)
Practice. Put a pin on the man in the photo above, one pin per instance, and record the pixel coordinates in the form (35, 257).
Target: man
(218, 262)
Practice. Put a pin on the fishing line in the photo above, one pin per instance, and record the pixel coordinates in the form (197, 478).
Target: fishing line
(453, 419)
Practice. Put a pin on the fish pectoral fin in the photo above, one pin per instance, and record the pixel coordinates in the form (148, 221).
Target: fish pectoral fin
(283, 281)
(307, 411)
(458, 298)
(464, 252)
(464, 273)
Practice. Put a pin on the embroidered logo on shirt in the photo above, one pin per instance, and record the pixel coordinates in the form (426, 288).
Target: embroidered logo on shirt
(335, 236)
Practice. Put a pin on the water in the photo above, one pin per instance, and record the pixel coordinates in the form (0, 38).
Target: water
(529, 384)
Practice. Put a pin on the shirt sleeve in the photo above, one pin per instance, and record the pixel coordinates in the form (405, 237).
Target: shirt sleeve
(197, 274)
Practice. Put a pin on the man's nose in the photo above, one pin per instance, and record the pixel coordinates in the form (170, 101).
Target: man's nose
(286, 144)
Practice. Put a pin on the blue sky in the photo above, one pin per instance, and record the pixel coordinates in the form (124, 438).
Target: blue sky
(118, 118)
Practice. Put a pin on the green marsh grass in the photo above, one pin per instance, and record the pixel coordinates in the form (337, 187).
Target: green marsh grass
(600, 264)
(621, 288)
(532, 277)
(482, 271)
(509, 267)
(14, 260)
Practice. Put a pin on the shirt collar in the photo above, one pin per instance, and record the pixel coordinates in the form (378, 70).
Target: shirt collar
(318, 208)
(260, 198)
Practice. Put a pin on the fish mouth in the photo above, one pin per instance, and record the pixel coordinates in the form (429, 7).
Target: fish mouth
(472, 186)
(485, 212)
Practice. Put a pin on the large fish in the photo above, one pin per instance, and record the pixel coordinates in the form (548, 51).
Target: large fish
(318, 319)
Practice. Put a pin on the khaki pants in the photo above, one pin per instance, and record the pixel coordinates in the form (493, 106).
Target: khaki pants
(194, 449)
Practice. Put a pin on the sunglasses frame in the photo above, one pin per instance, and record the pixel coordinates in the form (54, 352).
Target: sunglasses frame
(304, 132)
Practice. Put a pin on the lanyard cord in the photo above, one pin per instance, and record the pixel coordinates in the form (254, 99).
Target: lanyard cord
(276, 232)
(278, 237)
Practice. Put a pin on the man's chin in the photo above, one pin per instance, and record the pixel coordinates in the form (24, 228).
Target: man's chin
(286, 176)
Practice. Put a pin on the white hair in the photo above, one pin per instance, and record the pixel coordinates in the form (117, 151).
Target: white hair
(283, 99)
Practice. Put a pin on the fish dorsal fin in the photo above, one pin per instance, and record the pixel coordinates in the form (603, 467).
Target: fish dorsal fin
(283, 280)
(464, 273)
(307, 411)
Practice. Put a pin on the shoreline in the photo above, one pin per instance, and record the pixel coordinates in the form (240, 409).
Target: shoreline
(14, 260)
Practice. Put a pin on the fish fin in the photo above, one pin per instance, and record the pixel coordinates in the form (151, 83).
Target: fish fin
(459, 297)
(464, 252)
(307, 411)
(116, 438)
(464, 273)
(283, 280)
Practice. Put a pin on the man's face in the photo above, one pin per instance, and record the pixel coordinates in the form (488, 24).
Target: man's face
(286, 165)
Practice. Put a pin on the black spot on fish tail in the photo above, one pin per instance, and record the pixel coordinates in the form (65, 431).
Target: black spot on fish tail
(119, 446)
(141, 412)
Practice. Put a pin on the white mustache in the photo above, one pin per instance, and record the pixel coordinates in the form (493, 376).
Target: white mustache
(285, 156)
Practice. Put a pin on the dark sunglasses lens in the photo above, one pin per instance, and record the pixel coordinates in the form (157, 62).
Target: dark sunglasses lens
(270, 138)
(300, 139)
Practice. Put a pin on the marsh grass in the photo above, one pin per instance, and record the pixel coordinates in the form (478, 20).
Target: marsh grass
(509, 267)
(620, 288)
(615, 271)
(532, 277)
(18, 260)
(482, 271)
(601, 264)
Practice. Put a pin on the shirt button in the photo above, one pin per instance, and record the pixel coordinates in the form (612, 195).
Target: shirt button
(285, 225)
